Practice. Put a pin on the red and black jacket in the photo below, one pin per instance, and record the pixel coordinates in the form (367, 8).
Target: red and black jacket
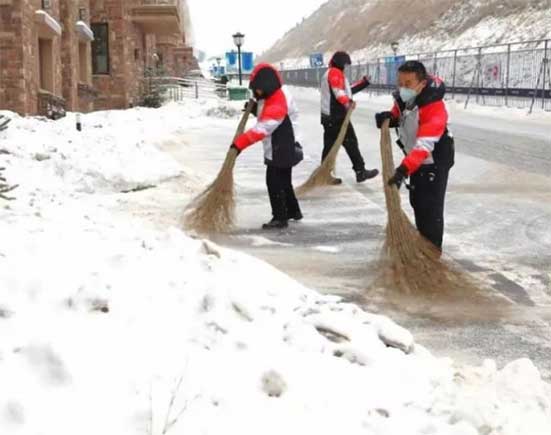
(275, 114)
(336, 91)
(423, 127)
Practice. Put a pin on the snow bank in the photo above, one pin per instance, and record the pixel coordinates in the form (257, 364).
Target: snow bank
(110, 327)
(116, 150)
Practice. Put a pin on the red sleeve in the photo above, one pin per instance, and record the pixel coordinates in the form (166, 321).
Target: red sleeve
(337, 84)
(433, 119)
(395, 110)
(273, 113)
(415, 159)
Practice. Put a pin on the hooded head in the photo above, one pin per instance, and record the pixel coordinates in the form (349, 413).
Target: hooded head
(265, 81)
(340, 60)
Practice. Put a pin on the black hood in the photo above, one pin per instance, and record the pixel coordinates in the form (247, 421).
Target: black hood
(340, 59)
(267, 79)
(434, 91)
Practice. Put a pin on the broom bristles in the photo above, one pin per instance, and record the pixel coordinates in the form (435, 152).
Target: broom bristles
(322, 175)
(411, 263)
(213, 211)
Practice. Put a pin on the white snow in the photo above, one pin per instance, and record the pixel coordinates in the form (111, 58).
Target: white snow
(525, 25)
(108, 326)
(328, 249)
(259, 241)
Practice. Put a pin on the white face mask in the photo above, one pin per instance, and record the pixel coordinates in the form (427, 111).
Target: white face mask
(407, 95)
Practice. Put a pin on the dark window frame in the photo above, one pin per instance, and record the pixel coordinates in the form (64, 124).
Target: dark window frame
(101, 36)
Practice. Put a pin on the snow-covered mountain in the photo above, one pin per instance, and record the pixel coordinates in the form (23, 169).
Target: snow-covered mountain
(367, 27)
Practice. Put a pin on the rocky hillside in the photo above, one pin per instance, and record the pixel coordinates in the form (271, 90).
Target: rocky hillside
(366, 27)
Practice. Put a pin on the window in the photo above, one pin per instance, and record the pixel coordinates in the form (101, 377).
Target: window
(100, 48)
(46, 63)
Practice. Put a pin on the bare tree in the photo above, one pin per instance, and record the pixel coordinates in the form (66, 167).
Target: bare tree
(4, 122)
(4, 186)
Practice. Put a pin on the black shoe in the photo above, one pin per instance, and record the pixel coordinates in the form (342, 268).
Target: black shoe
(275, 224)
(297, 216)
(366, 174)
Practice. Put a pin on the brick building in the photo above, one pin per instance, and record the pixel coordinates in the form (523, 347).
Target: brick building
(131, 36)
(82, 55)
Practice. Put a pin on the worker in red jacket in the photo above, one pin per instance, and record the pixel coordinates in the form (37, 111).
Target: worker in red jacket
(336, 99)
(277, 118)
(419, 113)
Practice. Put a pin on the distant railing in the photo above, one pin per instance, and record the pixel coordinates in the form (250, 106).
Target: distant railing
(178, 89)
(514, 74)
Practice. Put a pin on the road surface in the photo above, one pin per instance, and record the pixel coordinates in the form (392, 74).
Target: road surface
(498, 228)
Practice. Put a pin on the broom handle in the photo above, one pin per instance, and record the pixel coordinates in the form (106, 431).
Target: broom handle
(244, 119)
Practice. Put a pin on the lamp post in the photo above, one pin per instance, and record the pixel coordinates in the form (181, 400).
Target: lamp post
(394, 45)
(238, 40)
(218, 70)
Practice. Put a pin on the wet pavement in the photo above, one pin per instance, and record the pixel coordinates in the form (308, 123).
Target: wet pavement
(498, 228)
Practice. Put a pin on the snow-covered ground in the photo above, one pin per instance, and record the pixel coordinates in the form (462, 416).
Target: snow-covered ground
(111, 326)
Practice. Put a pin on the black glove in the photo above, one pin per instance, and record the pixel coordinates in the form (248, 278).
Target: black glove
(399, 176)
(367, 80)
(4, 122)
(381, 117)
(235, 148)
(253, 108)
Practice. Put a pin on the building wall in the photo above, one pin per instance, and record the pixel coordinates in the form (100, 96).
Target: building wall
(70, 54)
(19, 59)
(111, 87)
(12, 77)
(131, 50)
(77, 90)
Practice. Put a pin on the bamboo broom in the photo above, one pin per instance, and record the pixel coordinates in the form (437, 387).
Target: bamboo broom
(322, 175)
(412, 264)
(213, 211)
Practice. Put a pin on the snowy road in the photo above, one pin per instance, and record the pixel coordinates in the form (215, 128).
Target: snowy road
(498, 214)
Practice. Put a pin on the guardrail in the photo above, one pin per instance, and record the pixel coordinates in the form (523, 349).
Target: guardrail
(515, 74)
(178, 89)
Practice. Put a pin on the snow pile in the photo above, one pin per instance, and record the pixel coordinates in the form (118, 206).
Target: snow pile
(116, 151)
(108, 326)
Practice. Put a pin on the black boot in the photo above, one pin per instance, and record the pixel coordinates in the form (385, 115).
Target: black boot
(366, 174)
(292, 205)
(279, 211)
(296, 216)
(275, 224)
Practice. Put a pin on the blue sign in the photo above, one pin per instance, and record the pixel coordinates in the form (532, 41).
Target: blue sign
(392, 63)
(316, 60)
(217, 71)
(231, 60)
(247, 62)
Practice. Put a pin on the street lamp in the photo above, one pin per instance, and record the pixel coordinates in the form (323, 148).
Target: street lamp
(394, 45)
(239, 40)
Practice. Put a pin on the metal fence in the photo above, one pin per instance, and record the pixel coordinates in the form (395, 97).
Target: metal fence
(514, 75)
(179, 89)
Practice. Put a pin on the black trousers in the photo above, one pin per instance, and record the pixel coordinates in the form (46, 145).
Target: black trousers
(427, 197)
(331, 130)
(282, 194)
